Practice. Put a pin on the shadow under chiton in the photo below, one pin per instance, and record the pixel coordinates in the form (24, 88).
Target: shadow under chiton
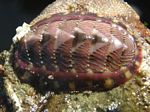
(77, 52)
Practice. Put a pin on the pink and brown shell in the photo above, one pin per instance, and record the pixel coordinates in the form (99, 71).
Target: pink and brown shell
(79, 46)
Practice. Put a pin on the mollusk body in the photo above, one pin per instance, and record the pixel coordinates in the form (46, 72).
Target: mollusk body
(82, 50)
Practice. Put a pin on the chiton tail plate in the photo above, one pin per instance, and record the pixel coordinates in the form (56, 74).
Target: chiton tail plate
(76, 48)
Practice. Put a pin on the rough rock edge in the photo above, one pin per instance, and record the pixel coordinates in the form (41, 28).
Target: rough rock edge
(21, 31)
(107, 8)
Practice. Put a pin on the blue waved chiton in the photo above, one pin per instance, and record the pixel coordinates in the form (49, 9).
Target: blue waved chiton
(80, 51)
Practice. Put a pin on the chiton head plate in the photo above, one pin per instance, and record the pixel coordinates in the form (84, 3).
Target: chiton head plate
(81, 48)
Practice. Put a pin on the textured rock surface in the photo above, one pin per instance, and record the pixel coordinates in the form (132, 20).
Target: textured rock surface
(131, 97)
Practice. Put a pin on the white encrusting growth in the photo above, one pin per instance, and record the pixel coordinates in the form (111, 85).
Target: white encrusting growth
(21, 31)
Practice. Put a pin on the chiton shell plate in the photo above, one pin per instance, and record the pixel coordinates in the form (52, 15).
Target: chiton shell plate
(81, 48)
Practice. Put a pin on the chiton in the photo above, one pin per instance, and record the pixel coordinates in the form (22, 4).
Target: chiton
(79, 51)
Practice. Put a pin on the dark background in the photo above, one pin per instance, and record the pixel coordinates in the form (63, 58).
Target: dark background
(14, 12)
